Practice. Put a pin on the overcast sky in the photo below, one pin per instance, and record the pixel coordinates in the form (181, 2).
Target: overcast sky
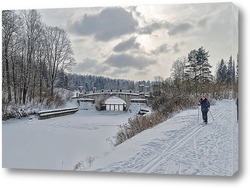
(141, 42)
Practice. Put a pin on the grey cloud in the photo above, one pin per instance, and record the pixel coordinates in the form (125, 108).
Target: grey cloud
(161, 49)
(90, 66)
(176, 48)
(120, 72)
(180, 28)
(86, 64)
(108, 24)
(149, 29)
(142, 72)
(165, 49)
(202, 22)
(126, 45)
(129, 61)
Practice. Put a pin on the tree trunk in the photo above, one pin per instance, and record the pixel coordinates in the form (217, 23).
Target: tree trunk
(14, 82)
(24, 94)
(52, 90)
(7, 75)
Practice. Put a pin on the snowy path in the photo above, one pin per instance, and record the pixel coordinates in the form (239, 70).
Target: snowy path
(181, 146)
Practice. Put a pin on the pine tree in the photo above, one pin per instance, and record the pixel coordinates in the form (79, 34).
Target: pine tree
(230, 71)
(221, 72)
(203, 65)
(198, 68)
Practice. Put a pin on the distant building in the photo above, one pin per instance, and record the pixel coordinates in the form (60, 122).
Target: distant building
(115, 104)
(141, 88)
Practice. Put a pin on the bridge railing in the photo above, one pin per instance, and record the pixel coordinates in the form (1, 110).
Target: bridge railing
(108, 92)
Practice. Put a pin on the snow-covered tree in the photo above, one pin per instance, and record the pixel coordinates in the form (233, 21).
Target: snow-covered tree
(202, 62)
(221, 73)
(59, 53)
(198, 68)
(230, 71)
(10, 25)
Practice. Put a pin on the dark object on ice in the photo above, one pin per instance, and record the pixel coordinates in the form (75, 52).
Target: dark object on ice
(56, 112)
(143, 111)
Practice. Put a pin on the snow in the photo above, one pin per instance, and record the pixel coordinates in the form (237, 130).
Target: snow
(56, 110)
(114, 100)
(180, 145)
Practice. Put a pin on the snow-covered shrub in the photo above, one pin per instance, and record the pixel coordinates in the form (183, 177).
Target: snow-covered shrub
(163, 107)
(81, 165)
(17, 111)
(168, 104)
(136, 125)
(12, 110)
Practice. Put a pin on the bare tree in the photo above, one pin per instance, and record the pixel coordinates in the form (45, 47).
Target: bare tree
(178, 72)
(59, 54)
(11, 25)
(31, 34)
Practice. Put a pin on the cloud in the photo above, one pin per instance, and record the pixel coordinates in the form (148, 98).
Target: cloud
(129, 61)
(202, 22)
(120, 72)
(161, 49)
(126, 45)
(110, 23)
(90, 66)
(176, 48)
(86, 64)
(180, 28)
(149, 29)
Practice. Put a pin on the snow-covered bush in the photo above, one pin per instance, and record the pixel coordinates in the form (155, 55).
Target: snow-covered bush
(12, 110)
(163, 107)
(136, 125)
(168, 104)
(17, 111)
(81, 165)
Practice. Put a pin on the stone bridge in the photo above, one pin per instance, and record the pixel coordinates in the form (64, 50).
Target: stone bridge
(127, 96)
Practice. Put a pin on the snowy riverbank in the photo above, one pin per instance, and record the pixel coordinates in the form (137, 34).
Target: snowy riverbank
(181, 146)
(178, 146)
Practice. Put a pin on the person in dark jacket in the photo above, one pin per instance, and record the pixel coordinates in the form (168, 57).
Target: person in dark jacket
(205, 105)
(237, 104)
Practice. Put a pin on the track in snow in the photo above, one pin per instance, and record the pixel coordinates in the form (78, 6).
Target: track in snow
(191, 149)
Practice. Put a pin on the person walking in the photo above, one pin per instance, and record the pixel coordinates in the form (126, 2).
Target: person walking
(237, 105)
(205, 105)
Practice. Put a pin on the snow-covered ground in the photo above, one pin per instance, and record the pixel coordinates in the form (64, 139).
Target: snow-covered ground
(60, 143)
(180, 145)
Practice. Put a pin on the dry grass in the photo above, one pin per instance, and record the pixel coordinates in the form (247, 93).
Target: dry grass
(163, 107)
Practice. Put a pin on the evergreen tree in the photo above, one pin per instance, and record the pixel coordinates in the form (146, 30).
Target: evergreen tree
(221, 72)
(198, 68)
(203, 65)
(230, 70)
